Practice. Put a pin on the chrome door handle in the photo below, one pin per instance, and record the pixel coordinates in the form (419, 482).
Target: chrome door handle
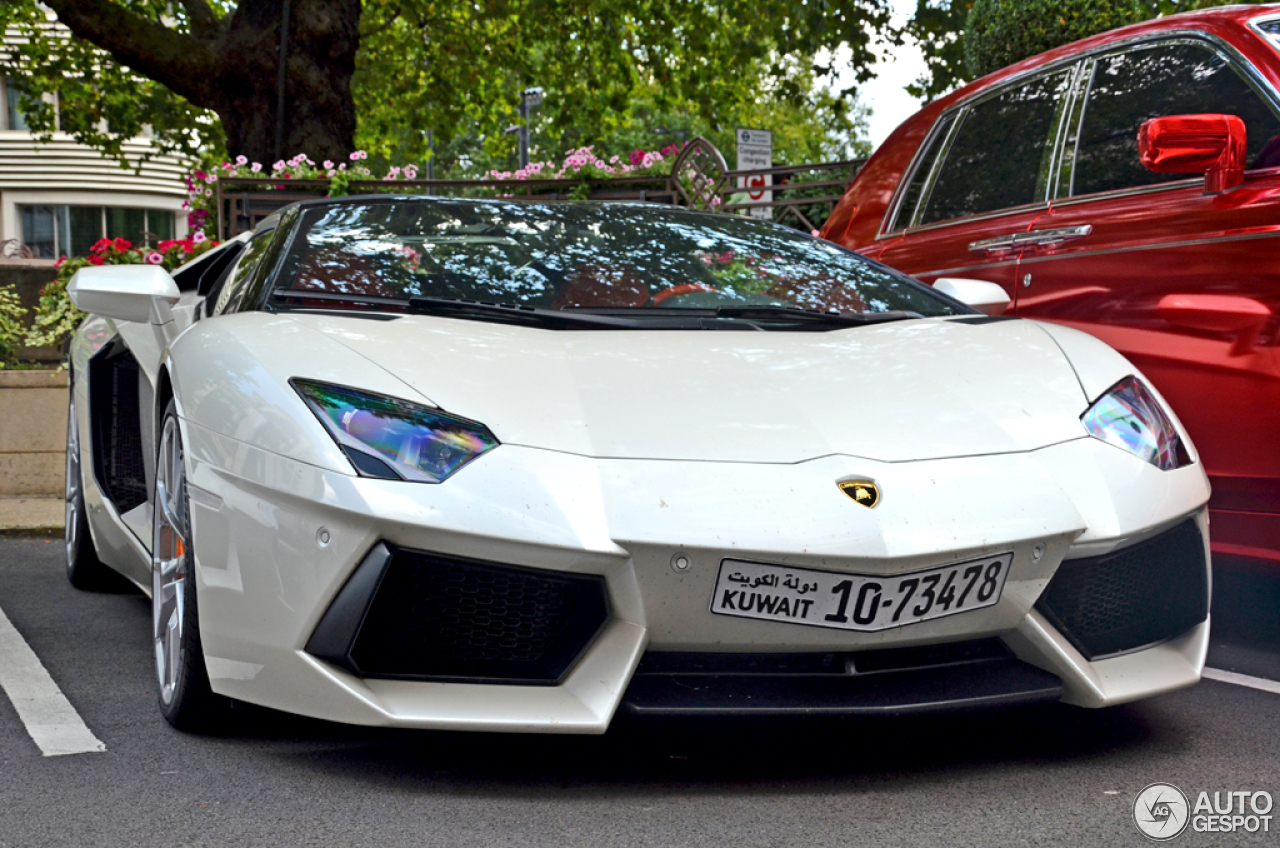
(1048, 238)
(1034, 238)
(993, 245)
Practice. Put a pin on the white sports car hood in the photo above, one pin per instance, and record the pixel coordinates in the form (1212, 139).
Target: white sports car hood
(908, 390)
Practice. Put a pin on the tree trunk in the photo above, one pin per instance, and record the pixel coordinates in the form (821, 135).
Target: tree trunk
(232, 66)
(319, 117)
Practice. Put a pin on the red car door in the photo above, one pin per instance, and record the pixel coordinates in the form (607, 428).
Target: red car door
(981, 184)
(1185, 284)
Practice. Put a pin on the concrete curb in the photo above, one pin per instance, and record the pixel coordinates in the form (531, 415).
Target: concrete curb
(31, 516)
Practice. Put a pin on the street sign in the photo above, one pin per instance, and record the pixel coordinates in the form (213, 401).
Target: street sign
(755, 153)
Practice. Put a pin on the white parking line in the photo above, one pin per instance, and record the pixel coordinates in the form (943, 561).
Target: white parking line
(1243, 680)
(49, 717)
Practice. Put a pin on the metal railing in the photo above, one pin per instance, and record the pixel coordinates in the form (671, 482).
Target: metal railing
(804, 194)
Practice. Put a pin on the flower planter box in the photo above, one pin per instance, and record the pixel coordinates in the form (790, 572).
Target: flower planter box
(33, 432)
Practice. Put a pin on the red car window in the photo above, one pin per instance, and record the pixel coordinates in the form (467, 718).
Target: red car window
(1000, 155)
(1164, 79)
(906, 212)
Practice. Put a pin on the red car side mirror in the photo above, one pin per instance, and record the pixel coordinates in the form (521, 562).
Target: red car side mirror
(1217, 313)
(1213, 145)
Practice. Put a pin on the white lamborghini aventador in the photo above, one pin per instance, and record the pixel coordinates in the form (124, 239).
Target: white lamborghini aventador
(501, 466)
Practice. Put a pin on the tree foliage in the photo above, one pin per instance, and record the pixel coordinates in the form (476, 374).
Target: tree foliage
(206, 54)
(939, 28)
(999, 33)
(197, 69)
(613, 72)
(68, 83)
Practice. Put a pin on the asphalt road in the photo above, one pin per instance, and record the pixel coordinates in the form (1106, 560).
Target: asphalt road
(1044, 776)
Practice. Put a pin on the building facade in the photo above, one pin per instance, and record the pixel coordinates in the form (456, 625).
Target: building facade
(58, 197)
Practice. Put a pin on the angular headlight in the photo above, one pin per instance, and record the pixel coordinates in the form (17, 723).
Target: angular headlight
(1129, 417)
(395, 439)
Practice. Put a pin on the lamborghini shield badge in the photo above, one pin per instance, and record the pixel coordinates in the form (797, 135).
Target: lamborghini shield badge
(862, 492)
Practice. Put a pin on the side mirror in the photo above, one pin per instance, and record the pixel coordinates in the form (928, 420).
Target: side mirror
(986, 297)
(1217, 313)
(1213, 145)
(140, 293)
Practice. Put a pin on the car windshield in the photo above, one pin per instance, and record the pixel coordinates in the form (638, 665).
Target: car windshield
(584, 256)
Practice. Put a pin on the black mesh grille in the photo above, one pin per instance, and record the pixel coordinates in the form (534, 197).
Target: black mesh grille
(117, 435)
(442, 617)
(1135, 597)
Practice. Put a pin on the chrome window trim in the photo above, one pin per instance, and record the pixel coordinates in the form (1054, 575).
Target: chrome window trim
(1233, 56)
(1254, 24)
(1089, 69)
(900, 192)
(1120, 193)
(944, 147)
(1065, 112)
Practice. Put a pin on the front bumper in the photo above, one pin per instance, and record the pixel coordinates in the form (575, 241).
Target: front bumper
(278, 540)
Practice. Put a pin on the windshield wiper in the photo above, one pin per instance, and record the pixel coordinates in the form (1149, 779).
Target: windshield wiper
(397, 304)
(477, 310)
(811, 316)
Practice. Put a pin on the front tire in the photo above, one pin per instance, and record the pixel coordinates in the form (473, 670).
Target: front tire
(84, 569)
(182, 682)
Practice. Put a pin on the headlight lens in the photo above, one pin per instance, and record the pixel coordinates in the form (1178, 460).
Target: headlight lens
(395, 439)
(1129, 417)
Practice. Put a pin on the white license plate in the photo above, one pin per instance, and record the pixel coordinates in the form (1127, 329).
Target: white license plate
(856, 601)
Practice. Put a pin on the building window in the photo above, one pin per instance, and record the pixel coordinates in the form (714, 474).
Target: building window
(13, 119)
(53, 231)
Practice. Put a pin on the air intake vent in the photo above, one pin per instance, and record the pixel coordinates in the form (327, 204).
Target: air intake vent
(1132, 598)
(424, 616)
(115, 425)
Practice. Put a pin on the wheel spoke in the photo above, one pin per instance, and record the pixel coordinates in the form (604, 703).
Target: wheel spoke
(169, 560)
(71, 514)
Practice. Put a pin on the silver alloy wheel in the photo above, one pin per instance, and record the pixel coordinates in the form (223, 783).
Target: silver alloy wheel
(71, 533)
(169, 543)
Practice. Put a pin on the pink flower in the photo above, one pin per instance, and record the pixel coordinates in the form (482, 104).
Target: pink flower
(331, 172)
(637, 156)
(410, 173)
(255, 167)
(278, 166)
(328, 165)
(154, 258)
(198, 237)
(243, 160)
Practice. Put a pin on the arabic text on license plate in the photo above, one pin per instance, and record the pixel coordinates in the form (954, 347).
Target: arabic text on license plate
(853, 601)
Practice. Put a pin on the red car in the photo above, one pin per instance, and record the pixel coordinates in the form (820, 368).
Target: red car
(1127, 185)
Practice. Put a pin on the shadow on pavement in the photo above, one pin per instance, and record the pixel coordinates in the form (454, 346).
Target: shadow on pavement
(1246, 619)
(705, 755)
